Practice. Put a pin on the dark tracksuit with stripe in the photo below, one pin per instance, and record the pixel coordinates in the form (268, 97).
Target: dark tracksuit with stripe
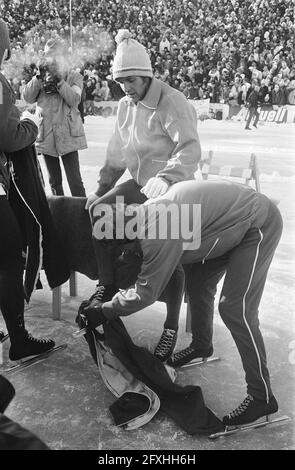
(240, 230)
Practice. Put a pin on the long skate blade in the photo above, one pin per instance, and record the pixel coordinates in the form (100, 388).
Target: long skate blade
(4, 338)
(32, 360)
(79, 333)
(229, 430)
(200, 361)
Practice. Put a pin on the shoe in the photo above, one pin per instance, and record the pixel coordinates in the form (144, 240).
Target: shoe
(187, 355)
(102, 294)
(248, 129)
(29, 346)
(255, 126)
(250, 410)
(90, 311)
(2, 336)
(166, 345)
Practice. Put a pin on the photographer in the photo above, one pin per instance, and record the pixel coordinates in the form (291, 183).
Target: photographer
(57, 91)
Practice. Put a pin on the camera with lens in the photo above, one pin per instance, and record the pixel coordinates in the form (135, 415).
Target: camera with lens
(48, 73)
(50, 84)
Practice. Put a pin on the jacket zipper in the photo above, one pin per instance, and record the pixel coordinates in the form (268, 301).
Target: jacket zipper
(210, 251)
(132, 140)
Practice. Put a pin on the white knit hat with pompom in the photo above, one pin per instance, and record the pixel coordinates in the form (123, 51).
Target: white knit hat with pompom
(131, 57)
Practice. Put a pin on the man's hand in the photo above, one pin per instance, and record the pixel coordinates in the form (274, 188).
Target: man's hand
(90, 200)
(155, 187)
(90, 317)
(32, 117)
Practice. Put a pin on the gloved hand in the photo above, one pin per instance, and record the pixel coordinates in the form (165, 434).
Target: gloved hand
(90, 317)
(35, 118)
(90, 200)
(155, 187)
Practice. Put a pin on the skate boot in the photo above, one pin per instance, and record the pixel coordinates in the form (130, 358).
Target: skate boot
(183, 357)
(250, 410)
(27, 345)
(102, 294)
(166, 344)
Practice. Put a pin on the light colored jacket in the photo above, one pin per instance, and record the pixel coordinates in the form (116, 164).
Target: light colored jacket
(61, 130)
(156, 137)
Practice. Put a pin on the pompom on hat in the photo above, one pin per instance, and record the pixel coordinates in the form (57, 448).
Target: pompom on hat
(54, 45)
(131, 57)
(4, 40)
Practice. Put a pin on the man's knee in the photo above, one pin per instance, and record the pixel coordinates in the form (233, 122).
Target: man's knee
(226, 310)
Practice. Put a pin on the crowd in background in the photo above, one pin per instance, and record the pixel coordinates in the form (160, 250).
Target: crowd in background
(216, 49)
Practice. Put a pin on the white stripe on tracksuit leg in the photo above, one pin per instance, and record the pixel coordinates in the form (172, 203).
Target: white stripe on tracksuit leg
(244, 315)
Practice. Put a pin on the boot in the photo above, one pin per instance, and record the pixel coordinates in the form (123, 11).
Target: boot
(26, 345)
(250, 410)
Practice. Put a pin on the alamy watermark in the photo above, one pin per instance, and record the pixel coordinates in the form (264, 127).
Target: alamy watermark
(159, 220)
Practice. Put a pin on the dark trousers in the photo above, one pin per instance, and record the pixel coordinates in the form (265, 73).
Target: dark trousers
(246, 268)
(173, 293)
(11, 271)
(72, 169)
(252, 113)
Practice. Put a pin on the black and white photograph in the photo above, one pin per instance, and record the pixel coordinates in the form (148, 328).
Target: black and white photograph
(147, 224)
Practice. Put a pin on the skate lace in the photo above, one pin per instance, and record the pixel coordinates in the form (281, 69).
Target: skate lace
(98, 294)
(183, 354)
(165, 342)
(39, 340)
(242, 407)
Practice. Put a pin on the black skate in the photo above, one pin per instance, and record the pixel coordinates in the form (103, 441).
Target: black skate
(166, 344)
(30, 346)
(250, 410)
(190, 357)
(38, 349)
(251, 414)
(102, 294)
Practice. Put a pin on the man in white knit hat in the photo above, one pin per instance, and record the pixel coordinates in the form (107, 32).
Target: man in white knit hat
(156, 139)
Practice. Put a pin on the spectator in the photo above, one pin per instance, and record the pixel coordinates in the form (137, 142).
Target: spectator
(89, 97)
(229, 36)
(57, 91)
(253, 101)
(278, 96)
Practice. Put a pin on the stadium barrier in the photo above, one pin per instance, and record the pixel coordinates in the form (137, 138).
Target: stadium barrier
(270, 113)
(205, 110)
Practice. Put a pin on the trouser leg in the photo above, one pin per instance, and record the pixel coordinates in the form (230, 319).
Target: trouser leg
(240, 297)
(55, 175)
(249, 118)
(256, 114)
(72, 170)
(11, 272)
(173, 295)
(200, 285)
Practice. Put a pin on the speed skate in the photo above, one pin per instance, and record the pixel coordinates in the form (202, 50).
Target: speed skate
(25, 363)
(200, 361)
(260, 423)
